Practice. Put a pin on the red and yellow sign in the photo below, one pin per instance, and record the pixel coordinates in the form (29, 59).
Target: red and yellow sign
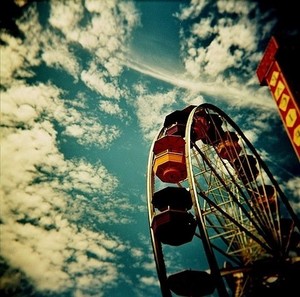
(267, 60)
(287, 106)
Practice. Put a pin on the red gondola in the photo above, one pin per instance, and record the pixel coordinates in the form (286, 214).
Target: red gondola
(265, 197)
(200, 125)
(245, 167)
(169, 163)
(214, 132)
(229, 148)
(174, 227)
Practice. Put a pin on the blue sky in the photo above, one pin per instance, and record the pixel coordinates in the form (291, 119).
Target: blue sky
(85, 87)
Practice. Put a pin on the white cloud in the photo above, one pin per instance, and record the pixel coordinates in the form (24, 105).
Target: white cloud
(66, 15)
(97, 81)
(113, 67)
(149, 280)
(37, 234)
(89, 131)
(104, 34)
(293, 185)
(232, 94)
(89, 178)
(151, 110)
(192, 98)
(57, 54)
(23, 105)
(219, 55)
(25, 53)
(216, 59)
(251, 135)
(15, 58)
(193, 10)
(234, 6)
(203, 29)
(56, 260)
(93, 6)
(110, 108)
(223, 48)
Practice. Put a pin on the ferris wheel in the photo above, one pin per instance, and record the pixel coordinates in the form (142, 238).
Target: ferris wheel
(206, 182)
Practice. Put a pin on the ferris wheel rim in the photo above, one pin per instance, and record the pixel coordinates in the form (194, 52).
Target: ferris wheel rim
(214, 269)
(189, 143)
(156, 245)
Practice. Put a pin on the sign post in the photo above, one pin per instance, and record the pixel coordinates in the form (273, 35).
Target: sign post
(278, 70)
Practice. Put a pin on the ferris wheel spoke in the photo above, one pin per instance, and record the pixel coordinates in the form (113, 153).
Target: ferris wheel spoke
(230, 196)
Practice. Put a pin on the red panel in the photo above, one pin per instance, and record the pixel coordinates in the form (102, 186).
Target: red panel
(267, 60)
(172, 143)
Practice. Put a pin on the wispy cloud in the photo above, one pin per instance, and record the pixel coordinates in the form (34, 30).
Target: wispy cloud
(152, 108)
(96, 81)
(220, 51)
(231, 94)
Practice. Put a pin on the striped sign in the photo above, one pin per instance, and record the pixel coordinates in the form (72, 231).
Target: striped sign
(286, 103)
